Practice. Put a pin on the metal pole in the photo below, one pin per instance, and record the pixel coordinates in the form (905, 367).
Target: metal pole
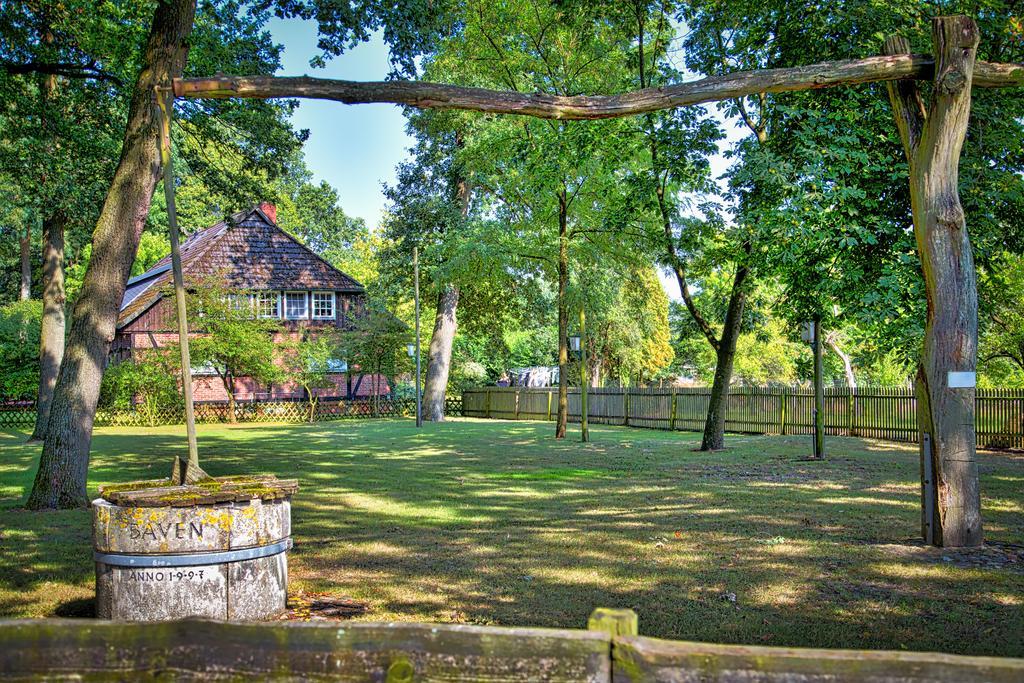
(188, 470)
(819, 394)
(416, 289)
(585, 430)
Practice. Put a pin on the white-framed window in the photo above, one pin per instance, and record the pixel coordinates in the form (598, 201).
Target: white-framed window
(296, 306)
(241, 302)
(268, 304)
(323, 305)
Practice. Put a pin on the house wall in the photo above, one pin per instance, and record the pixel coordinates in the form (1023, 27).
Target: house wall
(211, 388)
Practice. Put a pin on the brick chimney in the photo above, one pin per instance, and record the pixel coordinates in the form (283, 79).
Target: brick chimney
(270, 210)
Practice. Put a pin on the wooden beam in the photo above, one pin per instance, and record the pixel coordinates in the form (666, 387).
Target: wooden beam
(730, 86)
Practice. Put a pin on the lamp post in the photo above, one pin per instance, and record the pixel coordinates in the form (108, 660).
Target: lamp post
(416, 350)
(584, 426)
(577, 344)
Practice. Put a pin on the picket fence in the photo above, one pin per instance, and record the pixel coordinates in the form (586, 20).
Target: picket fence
(876, 412)
(22, 415)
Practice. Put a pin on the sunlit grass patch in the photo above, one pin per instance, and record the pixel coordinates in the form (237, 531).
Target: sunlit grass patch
(497, 523)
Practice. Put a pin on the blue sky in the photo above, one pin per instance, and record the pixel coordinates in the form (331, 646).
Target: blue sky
(356, 148)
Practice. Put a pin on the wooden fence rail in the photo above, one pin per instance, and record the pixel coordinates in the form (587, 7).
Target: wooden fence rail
(23, 415)
(610, 650)
(875, 412)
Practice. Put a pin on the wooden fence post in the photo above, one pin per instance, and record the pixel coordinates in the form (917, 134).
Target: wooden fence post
(625, 406)
(515, 410)
(782, 414)
(550, 393)
(672, 417)
(851, 409)
(487, 403)
(615, 622)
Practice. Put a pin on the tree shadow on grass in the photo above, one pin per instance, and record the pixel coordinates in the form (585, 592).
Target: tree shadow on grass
(489, 522)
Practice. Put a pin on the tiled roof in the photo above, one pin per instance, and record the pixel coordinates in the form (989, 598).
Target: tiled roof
(249, 251)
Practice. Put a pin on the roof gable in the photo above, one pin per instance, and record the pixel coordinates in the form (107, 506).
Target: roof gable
(249, 251)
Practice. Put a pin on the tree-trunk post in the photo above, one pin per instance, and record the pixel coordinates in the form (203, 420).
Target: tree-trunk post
(550, 396)
(672, 415)
(932, 139)
(819, 392)
(625, 405)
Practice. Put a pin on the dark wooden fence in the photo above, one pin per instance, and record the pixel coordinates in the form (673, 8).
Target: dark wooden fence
(22, 415)
(880, 413)
(609, 650)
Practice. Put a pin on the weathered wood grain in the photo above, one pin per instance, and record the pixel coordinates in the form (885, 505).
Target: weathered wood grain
(207, 650)
(638, 659)
(729, 86)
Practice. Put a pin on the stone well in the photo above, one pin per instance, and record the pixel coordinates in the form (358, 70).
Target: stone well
(215, 549)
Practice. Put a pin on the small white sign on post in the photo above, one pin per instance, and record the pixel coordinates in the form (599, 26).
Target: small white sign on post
(807, 333)
(961, 380)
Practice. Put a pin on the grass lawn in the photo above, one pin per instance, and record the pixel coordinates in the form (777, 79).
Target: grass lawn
(496, 523)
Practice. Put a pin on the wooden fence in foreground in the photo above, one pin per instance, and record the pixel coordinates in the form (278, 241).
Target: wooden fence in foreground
(23, 415)
(609, 650)
(880, 413)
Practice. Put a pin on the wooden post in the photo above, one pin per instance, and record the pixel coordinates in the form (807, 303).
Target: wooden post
(584, 427)
(416, 291)
(851, 408)
(932, 140)
(487, 402)
(549, 404)
(615, 622)
(625, 406)
(785, 407)
(819, 393)
(672, 417)
(187, 471)
(515, 405)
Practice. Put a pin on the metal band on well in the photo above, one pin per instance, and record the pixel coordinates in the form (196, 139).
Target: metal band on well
(193, 559)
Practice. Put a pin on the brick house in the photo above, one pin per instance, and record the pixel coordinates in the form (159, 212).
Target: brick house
(284, 279)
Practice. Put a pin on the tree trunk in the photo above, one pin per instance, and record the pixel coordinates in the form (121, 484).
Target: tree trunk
(51, 335)
(932, 140)
(439, 362)
(229, 387)
(439, 358)
(563, 318)
(63, 468)
(851, 376)
(25, 242)
(725, 354)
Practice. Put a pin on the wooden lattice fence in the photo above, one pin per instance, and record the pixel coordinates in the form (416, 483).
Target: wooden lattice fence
(875, 412)
(22, 415)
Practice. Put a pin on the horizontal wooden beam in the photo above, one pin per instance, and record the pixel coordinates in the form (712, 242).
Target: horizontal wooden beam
(46, 649)
(426, 95)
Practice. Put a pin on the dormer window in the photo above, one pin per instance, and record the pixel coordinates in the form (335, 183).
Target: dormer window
(323, 305)
(296, 306)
